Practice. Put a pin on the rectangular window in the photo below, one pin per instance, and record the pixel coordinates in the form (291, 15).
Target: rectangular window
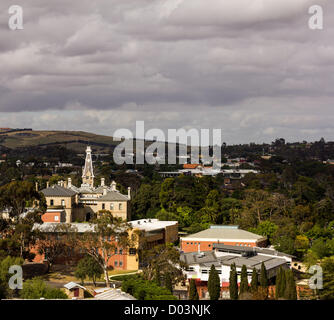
(120, 206)
(63, 203)
(120, 251)
(56, 218)
(103, 206)
(120, 263)
(132, 251)
(115, 263)
(51, 202)
(115, 250)
(111, 206)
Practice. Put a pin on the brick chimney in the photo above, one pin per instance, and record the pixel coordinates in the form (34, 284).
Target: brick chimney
(129, 193)
(102, 182)
(69, 182)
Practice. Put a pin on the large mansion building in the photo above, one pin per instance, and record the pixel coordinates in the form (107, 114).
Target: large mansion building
(69, 203)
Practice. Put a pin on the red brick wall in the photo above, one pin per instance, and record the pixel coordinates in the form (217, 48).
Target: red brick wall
(50, 217)
(74, 258)
(207, 245)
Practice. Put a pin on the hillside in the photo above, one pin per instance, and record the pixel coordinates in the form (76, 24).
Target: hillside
(74, 140)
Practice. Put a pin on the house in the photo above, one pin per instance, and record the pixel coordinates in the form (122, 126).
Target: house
(221, 234)
(74, 290)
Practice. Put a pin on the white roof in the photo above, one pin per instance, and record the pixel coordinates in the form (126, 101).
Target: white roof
(151, 224)
(72, 285)
(114, 294)
(223, 233)
(55, 226)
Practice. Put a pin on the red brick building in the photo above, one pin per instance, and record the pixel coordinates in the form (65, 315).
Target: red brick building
(220, 234)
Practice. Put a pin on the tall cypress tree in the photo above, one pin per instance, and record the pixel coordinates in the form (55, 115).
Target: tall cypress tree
(244, 280)
(278, 283)
(264, 281)
(281, 283)
(233, 283)
(193, 294)
(255, 281)
(214, 284)
(290, 289)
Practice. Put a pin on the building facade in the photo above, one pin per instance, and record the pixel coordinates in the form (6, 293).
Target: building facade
(83, 203)
(220, 234)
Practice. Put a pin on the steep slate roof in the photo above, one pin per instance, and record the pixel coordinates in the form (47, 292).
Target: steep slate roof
(113, 196)
(58, 191)
(224, 233)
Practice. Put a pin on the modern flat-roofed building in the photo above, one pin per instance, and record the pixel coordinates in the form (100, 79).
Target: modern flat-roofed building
(221, 234)
(199, 264)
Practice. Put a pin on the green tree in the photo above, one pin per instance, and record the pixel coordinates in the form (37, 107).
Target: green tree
(36, 288)
(327, 293)
(244, 280)
(233, 285)
(168, 282)
(17, 195)
(290, 287)
(254, 281)
(80, 271)
(280, 283)
(95, 242)
(214, 284)
(264, 281)
(193, 294)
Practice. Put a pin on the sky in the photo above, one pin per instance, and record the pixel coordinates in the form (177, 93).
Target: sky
(252, 68)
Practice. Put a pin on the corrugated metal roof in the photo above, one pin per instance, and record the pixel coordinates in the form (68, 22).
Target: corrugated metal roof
(72, 285)
(114, 294)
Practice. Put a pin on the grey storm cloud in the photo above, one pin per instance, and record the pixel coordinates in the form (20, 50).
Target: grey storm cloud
(250, 67)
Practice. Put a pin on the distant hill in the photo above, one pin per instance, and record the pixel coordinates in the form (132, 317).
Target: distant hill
(74, 140)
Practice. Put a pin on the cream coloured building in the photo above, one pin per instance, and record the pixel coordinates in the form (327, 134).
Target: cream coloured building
(84, 202)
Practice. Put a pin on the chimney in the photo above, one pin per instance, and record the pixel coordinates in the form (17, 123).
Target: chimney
(129, 193)
(199, 248)
(69, 182)
(61, 183)
(36, 186)
(104, 191)
(102, 182)
(113, 186)
(47, 184)
(65, 184)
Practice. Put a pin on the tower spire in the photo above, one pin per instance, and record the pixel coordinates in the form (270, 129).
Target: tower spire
(88, 173)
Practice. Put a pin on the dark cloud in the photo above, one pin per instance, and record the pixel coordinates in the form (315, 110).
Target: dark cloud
(250, 67)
